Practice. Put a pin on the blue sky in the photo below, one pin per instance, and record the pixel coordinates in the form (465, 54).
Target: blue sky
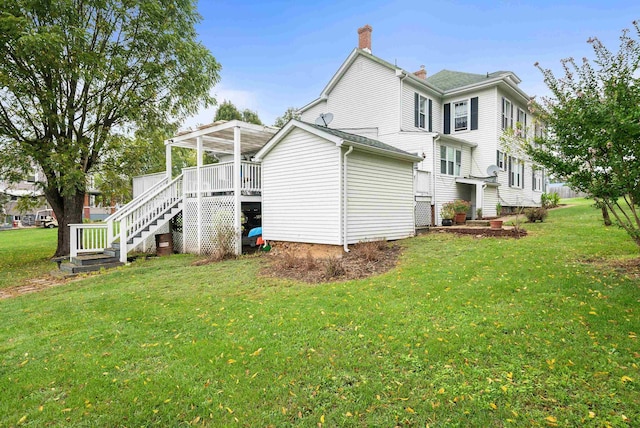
(277, 54)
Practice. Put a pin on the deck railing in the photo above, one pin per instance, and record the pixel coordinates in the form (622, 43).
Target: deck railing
(87, 238)
(218, 178)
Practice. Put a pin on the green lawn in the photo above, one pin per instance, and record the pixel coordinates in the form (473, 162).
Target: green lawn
(464, 332)
(26, 253)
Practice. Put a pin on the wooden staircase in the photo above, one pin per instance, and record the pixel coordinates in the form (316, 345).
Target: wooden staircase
(105, 245)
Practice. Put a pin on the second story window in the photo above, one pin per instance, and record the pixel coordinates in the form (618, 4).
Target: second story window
(423, 113)
(461, 116)
(507, 114)
(450, 160)
(522, 123)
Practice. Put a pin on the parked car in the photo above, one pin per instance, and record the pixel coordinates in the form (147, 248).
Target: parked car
(49, 222)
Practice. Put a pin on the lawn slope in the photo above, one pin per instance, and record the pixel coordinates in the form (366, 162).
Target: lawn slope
(464, 332)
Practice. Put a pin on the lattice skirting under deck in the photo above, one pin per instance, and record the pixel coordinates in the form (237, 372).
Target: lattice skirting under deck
(217, 218)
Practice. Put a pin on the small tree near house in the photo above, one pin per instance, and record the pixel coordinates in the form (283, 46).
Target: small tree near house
(593, 121)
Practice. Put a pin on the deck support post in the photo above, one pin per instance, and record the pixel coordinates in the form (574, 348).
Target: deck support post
(237, 177)
(167, 157)
(199, 197)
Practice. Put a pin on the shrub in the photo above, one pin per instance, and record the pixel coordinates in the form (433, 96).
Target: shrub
(333, 267)
(535, 214)
(371, 251)
(224, 238)
(447, 212)
(550, 200)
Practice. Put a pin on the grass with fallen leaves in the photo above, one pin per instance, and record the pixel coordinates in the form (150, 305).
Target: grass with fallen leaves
(463, 332)
(25, 253)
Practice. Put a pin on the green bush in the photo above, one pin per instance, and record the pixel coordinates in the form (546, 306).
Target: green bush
(535, 214)
(550, 200)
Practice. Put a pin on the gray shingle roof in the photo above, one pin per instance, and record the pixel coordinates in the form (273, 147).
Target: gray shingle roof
(358, 139)
(447, 79)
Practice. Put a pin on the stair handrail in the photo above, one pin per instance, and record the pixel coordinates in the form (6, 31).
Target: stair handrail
(146, 211)
(119, 213)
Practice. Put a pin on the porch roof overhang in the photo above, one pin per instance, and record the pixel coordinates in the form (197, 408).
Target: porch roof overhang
(218, 137)
(446, 138)
(489, 181)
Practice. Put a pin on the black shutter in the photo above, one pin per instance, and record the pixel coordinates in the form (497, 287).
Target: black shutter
(447, 118)
(525, 125)
(511, 119)
(416, 114)
(510, 171)
(503, 115)
(430, 116)
(474, 113)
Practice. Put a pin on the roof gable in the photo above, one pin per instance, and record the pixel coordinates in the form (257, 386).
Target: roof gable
(447, 80)
(338, 138)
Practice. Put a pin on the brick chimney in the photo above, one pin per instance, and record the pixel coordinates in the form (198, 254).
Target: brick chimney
(421, 74)
(364, 38)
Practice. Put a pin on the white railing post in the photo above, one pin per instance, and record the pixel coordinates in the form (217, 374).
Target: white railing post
(123, 240)
(73, 242)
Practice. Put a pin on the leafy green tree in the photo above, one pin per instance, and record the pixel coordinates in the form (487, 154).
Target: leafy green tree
(593, 119)
(74, 74)
(130, 157)
(228, 111)
(291, 113)
(250, 116)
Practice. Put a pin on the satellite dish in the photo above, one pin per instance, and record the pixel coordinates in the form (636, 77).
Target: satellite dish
(324, 119)
(493, 170)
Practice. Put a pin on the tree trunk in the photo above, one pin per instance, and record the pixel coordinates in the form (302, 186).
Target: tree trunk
(605, 215)
(68, 210)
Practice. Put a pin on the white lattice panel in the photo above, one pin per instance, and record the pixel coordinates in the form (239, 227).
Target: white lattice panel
(217, 211)
(423, 213)
(190, 225)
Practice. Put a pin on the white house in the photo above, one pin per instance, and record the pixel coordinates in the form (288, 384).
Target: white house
(400, 145)
(454, 120)
(325, 186)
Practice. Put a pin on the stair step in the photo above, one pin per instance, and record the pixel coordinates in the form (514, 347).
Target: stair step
(73, 268)
(94, 259)
(113, 251)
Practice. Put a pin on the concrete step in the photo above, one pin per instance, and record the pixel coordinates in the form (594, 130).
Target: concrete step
(94, 259)
(113, 251)
(73, 268)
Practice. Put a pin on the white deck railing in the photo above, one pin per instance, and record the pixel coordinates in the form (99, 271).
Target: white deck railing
(217, 178)
(87, 238)
(127, 222)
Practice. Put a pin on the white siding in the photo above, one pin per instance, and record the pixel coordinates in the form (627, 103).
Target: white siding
(408, 108)
(490, 200)
(313, 113)
(366, 96)
(301, 185)
(446, 187)
(380, 198)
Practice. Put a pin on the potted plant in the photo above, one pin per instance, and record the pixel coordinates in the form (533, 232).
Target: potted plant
(461, 207)
(496, 223)
(447, 213)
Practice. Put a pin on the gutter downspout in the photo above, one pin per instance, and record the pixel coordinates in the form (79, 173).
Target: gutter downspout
(435, 140)
(404, 76)
(344, 201)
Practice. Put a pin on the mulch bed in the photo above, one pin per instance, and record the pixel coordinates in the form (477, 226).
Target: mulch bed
(296, 261)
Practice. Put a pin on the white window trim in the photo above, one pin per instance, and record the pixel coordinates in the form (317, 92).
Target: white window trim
(457, 167)
(501, 158)
(423, 112)
(516, 178)
(467, 115)
(507, 115)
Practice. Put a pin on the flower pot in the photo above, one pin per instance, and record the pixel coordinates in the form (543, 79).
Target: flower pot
(461, 218)
(447, 222)
(495, 224)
